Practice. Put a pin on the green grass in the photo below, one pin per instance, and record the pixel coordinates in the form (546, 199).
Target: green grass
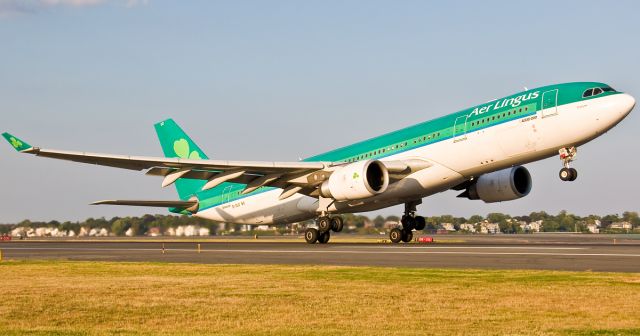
(96, 298)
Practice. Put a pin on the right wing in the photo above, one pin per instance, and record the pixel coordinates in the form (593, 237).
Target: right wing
(298, 176)
(292, 177)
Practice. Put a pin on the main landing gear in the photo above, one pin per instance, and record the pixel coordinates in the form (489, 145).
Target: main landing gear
(567, 155)
(322, 234)
(409, 222)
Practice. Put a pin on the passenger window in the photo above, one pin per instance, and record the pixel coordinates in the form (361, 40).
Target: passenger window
(587, 93)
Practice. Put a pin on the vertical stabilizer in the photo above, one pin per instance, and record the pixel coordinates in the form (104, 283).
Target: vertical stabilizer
(177, 144)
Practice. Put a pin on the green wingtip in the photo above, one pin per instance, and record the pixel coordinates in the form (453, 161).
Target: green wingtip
(18, 144)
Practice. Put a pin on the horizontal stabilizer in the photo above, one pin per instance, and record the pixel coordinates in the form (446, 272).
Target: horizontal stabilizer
(191, 206)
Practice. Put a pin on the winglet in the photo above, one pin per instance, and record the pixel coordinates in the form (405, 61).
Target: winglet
(18, 144)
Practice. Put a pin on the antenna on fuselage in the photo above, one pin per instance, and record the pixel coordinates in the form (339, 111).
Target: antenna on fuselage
(525, 88)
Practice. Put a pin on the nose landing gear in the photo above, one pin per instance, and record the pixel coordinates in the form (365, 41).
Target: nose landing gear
(567, 155)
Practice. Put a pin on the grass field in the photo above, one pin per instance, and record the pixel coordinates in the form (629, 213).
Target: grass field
(95, 298)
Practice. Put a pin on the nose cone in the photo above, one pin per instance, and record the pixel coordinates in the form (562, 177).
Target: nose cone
(625, 103)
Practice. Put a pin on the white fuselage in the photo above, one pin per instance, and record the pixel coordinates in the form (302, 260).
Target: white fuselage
(453, 161)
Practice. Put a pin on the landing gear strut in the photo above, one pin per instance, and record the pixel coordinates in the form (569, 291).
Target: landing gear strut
(567, 155)
(409, 222)
(322, 234)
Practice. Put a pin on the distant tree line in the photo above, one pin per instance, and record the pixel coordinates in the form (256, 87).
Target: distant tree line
(139, 226)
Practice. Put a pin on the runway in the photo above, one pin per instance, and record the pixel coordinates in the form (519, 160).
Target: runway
(572, 255)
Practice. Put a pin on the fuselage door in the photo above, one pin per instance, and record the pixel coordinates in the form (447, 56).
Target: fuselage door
(460, 128)
(549, 103)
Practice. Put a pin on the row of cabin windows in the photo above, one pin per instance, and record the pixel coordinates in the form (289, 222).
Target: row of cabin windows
(383, 150)
(596, 91)
(504, 115)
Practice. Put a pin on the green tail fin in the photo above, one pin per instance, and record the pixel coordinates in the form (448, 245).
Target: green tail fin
(18, 144)
(177, 144)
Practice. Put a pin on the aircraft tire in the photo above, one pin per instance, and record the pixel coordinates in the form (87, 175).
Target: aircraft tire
(565, 174)
(324, 237)
(337, 223)
(324, 224)
(395, 235)
(421, 223)
(574, 174)
(407, 236)
(408, 223)
(311, 235)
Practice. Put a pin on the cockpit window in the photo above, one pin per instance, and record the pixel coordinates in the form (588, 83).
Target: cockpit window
(596, 91)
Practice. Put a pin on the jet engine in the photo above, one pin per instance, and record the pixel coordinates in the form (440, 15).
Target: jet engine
(502, 185)
(357, 180)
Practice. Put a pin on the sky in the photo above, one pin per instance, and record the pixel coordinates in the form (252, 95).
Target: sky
(283, 80)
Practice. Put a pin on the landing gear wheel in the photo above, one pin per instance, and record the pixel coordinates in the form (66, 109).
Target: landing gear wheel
(337, 223)
(324, 224)
(568, 155)
(324, 237)
(407, 236)
(421, 223)
(395, 235)
(565, 174)
(311, 235)
(408, 223)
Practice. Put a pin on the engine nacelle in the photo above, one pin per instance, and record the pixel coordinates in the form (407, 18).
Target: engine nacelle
(502, 185)
(357, 180)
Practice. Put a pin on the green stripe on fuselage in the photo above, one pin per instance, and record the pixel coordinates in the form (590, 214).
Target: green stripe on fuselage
(513, 107)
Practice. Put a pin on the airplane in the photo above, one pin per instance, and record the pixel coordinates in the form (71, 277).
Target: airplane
(479, 151)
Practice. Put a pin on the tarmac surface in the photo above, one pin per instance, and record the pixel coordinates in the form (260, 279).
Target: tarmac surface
(552, 252)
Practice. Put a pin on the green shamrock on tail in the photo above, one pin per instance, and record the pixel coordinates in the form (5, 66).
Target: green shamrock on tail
(181, 148)
(15, 142)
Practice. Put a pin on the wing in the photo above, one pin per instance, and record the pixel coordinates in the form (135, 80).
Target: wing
(292, 177)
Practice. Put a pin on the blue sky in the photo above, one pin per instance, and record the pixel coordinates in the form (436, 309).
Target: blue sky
(280, 80)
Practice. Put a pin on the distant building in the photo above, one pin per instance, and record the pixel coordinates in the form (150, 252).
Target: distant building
(154, 232)
(468, 227)
(593, 228)
(489, 228)
(448, 226)
(621, 225)
(388, 225)
(531, 227)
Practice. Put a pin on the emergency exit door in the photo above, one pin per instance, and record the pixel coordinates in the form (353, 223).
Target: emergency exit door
(549, 103)
(460, 128)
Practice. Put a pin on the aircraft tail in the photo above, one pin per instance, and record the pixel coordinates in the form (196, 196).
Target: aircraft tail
(177, 144)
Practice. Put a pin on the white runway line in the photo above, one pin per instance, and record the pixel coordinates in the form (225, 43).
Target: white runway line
(311, 251)
(466, 247)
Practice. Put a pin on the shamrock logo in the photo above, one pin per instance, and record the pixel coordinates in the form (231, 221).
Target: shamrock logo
(181, 148)
(355, 176)
(15, 142)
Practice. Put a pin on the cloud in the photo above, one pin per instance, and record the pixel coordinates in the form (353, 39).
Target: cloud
(17, 7)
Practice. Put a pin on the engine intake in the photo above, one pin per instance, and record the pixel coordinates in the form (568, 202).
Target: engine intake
(502, 185)
(357, 180)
